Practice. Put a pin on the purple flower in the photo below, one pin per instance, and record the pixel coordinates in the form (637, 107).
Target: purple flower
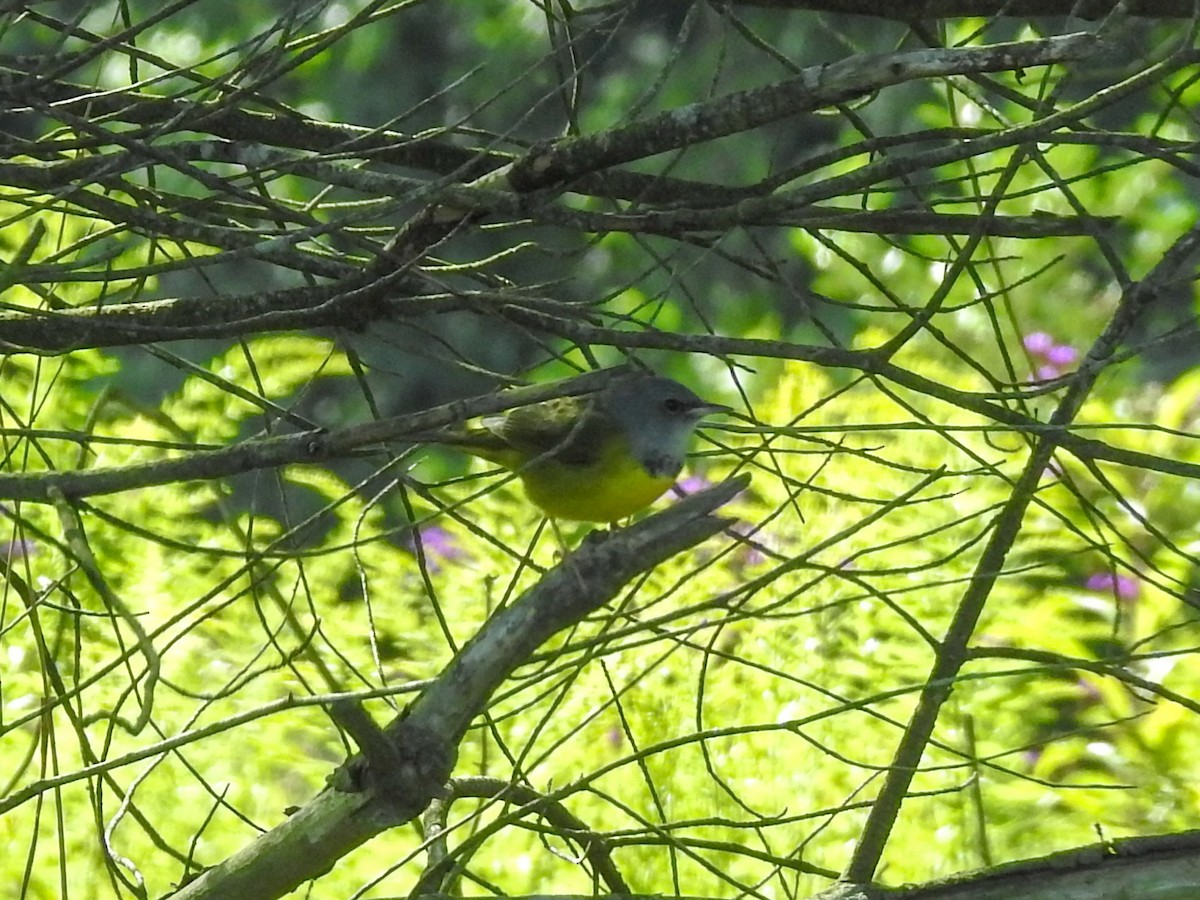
(614, 737)
(1061, 355)
(438, 545)
(1038, 343)
(690, 485)
(18, 549)
(1050, 358)
(1123, 587)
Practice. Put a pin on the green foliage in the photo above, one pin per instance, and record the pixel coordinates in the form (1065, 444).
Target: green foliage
(727, 721)
(785, 668)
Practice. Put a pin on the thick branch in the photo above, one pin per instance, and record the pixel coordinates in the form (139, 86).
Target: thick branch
(315, 447)
(427, 734)
(814, 88)
(349, 304)
(1162, 866)
(304, 447)
(289, 130)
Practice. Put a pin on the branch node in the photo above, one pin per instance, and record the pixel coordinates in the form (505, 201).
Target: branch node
(402, 769)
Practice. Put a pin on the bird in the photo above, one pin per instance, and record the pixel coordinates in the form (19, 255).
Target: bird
(597, 457)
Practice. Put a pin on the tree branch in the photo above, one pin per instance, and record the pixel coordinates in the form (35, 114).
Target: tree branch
(426, 735)
(953, 652)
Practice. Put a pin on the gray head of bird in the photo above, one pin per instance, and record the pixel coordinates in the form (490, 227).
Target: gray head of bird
(658, 416)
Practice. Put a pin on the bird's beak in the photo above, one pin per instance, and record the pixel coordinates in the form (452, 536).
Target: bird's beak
(711, 409)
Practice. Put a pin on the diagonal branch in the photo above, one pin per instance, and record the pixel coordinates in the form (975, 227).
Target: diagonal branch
(814, 88)
(365, 802)
(954, 649)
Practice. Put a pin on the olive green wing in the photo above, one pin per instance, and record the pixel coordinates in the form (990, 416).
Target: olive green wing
(563, 428)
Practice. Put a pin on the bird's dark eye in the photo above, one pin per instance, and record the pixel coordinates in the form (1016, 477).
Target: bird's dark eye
(673, 405)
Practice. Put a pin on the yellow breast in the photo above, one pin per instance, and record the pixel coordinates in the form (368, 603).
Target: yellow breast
(616, 485)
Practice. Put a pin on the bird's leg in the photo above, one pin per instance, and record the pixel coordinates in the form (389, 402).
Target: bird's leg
(558, 536)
